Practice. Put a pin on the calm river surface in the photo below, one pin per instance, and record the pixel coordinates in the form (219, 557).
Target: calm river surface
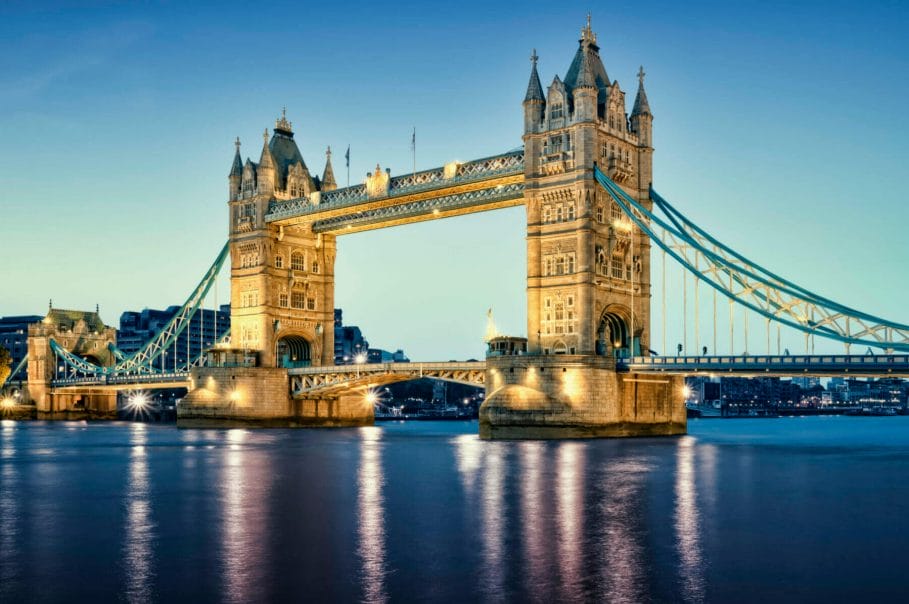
(790, 509)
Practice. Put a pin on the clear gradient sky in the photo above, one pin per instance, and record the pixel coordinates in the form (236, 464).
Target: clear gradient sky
(779, 126)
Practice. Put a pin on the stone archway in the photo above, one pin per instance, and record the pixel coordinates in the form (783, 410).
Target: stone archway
(612, 338)
(293, 351)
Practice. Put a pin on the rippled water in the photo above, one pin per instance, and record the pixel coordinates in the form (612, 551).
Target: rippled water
(797, 509)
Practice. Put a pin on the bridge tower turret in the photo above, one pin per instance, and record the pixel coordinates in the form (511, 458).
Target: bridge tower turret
(235, 178)
(282, 279)
(588, 269)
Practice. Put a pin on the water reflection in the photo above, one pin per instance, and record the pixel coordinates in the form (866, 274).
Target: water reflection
(687, 522)
(9, 507)
(468, 454)
(370, 512)
(244, 489)
(138, 546)
(570, 470)
(622, 549)
(533, 517)
(492, 573)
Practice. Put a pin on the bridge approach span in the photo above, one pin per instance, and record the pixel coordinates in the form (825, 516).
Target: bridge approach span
(766, 365)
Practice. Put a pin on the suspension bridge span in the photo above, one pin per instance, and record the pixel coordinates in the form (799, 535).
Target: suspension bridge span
(596, 228)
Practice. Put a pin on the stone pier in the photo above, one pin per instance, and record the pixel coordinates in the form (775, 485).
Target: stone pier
(577, 396)
(261, 396)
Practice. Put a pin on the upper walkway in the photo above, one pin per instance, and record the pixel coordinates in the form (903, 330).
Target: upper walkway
(457, 188)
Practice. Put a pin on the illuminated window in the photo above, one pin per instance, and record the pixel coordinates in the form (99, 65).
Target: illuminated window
(297, 299)
(297, 262)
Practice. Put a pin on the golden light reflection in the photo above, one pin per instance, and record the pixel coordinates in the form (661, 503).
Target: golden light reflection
(533, 527)
(492, 574)
(570, 469)
(140, 528)
(623, 565)
(370, 515)
(245, 484)
(571, 383)
(687, 523)
(468, 454)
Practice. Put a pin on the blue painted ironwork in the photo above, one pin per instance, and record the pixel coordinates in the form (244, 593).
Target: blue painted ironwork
(16, 370)
(143, 359)
(485, 168)
(423, 207)
(757, 365)
(751, 286)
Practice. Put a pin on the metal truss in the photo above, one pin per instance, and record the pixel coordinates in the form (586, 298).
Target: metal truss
(750, 285)
(16, 370)
(413, 209)
(504, 164)
(315, 381)
(142, 361)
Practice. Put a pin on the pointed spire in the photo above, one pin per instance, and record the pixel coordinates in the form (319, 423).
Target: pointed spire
(586, 78)
(265, 160)
(641, 106)
(534, 88)
(328, 175)
(237, 168)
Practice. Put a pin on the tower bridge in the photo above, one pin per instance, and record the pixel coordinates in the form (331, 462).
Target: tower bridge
(584, 176)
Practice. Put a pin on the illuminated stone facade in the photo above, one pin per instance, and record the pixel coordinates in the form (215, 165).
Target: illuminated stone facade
(282, 277)
(82, 333)
(588, 281)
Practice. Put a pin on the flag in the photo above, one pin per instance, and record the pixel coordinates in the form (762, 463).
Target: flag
(347, 156)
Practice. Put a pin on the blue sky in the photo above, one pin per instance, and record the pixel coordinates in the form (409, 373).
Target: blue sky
(778, 126)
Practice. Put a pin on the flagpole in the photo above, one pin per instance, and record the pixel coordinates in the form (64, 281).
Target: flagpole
(413, 148)
(347, 158)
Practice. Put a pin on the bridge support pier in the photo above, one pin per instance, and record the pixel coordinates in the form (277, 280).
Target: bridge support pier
(577, 396)
(261, 396)
(79, 404)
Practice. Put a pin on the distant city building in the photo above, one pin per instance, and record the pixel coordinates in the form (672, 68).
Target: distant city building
(203, 331)
(350, 344)
(14, 337)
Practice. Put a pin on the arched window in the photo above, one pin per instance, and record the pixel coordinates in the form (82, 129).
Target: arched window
(570, 210)
(297, 261)
(570, 263)
(547, 214)
(559, 213)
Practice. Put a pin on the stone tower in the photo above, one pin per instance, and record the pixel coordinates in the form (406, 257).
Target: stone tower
(588, 269)
(588, 281)
(282, 279)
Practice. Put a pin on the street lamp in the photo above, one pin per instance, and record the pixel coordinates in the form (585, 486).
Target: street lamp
(359, 360)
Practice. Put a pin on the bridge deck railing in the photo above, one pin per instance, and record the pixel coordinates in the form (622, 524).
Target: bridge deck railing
(759, 361)
(390, 367)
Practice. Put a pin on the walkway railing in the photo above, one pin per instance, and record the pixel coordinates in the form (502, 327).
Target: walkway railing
(769, 364)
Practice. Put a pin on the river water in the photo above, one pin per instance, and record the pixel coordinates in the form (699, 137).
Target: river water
(789, 509)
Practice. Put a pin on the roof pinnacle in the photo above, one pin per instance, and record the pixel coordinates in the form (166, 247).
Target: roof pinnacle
(641, 106)
(265, 136)
(237, 144)
(534, 88)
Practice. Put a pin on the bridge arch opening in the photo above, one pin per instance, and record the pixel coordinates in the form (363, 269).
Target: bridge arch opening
(612, 335)
(293, 351)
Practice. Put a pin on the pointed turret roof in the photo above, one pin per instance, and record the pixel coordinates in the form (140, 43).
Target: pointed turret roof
(236, 168)
(534, 88)
(587, 48)
(586, 77)
(265, 160)
(641, 106)
(328, 176)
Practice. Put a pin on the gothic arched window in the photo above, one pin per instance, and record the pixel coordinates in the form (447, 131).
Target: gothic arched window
(297, 262)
